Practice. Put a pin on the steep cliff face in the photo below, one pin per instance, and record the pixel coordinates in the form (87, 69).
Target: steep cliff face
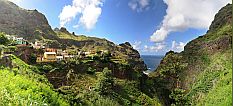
(26, 23)
(203, 69)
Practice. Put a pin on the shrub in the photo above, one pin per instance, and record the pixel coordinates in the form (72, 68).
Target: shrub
(91, 70)
(105, 82)
(47, 68)
(178, 96)
(3, 39)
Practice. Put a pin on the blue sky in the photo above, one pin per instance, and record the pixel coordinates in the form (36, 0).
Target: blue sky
(153, 27)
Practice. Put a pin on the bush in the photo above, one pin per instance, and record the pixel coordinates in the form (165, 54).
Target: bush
(178, 96)
(3, 39)
(91, 70)
(47, 68)
(32, 58)
(105, 82)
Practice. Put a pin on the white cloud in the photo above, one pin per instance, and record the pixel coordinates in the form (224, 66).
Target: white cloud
(184, 14)
(136, 45)
(155, 48)
(177, 47)
(139, 5)
(88, 10)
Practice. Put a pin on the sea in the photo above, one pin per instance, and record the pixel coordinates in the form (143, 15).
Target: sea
(152, 62)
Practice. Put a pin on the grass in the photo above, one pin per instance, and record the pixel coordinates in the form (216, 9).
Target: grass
(21, 90)
(77, 38)
(22, 86)
(213, 85)
(225, 30)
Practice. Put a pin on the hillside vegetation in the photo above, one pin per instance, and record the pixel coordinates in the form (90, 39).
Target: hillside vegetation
(199, 75)
(23, 85)
(20, 85)
(202, 73)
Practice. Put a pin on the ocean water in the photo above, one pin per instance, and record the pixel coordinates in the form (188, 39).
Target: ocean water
(152, 61)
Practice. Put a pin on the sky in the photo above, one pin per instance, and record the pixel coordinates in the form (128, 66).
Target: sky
(153, 27)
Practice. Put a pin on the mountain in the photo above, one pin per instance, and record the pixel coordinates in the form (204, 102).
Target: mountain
(123, 52)
(29, 24)
(111, 79)
(33, 25)
(201, 74)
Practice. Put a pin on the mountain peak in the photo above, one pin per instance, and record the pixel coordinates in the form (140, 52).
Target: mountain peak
(24, 23)
(64, 30)
(223, 17)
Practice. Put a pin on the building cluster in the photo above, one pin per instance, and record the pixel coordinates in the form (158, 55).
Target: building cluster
(45, 54)
(17, 40)
(53, 55)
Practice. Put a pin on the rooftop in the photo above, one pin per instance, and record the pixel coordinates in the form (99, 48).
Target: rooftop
(50, 53)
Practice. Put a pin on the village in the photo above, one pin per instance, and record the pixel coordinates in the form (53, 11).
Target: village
(46, 54)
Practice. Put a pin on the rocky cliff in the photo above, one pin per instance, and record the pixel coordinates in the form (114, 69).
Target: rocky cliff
(30, 24)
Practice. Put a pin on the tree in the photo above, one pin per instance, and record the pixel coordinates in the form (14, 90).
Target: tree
(105, 82)
(106, 56)
(3, 39)
(172, 65)
(178, 96)
(32, 58)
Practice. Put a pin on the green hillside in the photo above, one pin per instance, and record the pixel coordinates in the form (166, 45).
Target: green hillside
(202, 73)
(21, 85)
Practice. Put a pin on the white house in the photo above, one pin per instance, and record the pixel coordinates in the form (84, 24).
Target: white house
(38, 45)
(59, 58)
(11, 37)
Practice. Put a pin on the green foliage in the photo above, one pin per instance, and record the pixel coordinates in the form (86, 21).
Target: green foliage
(213, 85)
(205, 59)
(21, 90)
(91, 70)
(20, 85)
(128, 93)
(105, 82)
(47, 68)
(178, 96)
(92, 98)
(12, 48)
(72, 52)
(95, 57)
(53, 43)
(3, 39)
(106, 57)
(173, 65)
(225, 30)
(32, 58)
